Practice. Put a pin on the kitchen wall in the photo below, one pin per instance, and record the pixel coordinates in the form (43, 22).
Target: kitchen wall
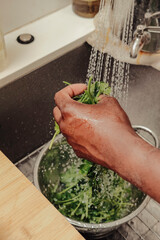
(16, 13)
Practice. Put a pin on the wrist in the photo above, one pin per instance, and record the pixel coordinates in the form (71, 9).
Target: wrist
(126, 154)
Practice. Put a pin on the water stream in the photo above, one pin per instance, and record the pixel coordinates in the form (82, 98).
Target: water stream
(114, 24)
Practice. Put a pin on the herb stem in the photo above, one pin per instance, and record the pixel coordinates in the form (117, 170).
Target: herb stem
(66, 189)
(67, 83)
(53, 138)
(68, 200)
(86, 206)
(57, 131)
(89, 90)
(76, 209)
(98, 94)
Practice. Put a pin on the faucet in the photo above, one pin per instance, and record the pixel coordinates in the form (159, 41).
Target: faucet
(146, 37)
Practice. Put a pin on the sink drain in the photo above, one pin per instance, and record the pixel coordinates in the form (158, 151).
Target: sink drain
(25, 38)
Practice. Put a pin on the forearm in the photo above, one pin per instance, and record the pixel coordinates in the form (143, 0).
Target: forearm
(140, 165)
(150, 174)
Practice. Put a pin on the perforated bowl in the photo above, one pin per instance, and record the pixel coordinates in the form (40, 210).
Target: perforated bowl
(98, 231)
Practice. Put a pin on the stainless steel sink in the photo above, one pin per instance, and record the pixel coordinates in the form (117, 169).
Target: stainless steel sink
(26, 120)
(144, 97)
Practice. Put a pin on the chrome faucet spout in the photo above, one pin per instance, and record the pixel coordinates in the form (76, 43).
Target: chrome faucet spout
(147, 36)
(141, 37)
(137, 45)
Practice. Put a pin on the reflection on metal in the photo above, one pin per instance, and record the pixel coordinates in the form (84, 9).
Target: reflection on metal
(147, 36)
(147, 134)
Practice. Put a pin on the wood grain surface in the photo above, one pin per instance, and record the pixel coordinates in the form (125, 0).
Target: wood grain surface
(25, 213)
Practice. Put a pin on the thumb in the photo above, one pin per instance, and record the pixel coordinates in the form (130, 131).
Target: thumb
(66, 94)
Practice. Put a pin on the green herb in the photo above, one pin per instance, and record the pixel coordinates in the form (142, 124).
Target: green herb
(94, 90)
(82, 190)
(57, 131)
(90, 96)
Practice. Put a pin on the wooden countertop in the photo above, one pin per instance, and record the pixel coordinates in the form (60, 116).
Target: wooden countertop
(25, 214)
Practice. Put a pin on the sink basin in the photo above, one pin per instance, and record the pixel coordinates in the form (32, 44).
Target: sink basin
(26, 120)
(143, 101)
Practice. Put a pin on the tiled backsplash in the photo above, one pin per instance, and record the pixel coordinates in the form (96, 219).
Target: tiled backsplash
(14, 14)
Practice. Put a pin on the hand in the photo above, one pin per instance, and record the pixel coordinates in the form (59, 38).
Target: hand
(102, 133)
(96, 132)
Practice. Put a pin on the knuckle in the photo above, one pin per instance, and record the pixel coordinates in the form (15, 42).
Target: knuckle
(114, 100)
(56, 96)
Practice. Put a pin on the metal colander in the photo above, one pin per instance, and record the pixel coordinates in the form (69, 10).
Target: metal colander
(98, 231)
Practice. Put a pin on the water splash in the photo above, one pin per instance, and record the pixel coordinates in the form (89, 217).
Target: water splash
(114, 24)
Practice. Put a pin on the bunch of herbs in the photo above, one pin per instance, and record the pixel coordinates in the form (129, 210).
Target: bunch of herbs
(82, 190)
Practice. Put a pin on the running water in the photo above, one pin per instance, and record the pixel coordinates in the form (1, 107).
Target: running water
(113, 31)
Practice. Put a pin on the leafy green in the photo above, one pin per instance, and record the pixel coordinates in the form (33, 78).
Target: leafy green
(57, 131)
(94, 90)
(82, 190)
